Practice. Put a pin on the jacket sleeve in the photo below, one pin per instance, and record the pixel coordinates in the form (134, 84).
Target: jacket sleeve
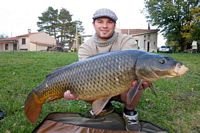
(84, 51)
(128, 43)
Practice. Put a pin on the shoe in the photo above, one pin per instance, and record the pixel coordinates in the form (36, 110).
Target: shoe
(131, 121)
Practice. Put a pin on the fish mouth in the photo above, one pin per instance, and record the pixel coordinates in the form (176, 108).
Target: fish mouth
(180, 69)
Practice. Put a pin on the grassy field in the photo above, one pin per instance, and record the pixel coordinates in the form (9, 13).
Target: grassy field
(176, 107)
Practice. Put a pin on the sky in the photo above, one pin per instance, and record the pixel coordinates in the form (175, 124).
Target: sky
(17, 16)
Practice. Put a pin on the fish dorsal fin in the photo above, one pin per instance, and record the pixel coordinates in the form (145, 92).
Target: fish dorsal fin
(133, 91)
(59, 70)
(99, 104)
(53, 72)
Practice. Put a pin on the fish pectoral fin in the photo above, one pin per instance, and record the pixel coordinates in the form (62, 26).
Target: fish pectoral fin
(133, 91)
(99, 104)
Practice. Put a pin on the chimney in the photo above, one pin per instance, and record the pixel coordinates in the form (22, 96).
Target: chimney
(149, 28)
(29, 30)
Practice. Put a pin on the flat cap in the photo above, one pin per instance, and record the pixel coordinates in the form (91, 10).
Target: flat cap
(104, 12)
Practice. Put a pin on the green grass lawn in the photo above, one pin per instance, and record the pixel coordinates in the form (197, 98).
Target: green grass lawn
(176, 107)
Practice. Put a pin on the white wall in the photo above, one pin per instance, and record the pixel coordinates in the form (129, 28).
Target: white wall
(143, 40)
(23, 46)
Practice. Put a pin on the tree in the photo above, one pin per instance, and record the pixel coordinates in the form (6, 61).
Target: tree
(49, 22)
(60, 25)
(76, 28)
(171, 16)
(65, 20)
(3, 36)
(195, 24)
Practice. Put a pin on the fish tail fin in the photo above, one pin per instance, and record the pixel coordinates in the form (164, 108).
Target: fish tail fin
(32, 107)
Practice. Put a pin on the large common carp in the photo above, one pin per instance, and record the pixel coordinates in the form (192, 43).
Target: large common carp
(101, 77)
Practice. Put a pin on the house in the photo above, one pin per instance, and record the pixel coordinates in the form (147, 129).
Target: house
(145, 38)
(37, 41)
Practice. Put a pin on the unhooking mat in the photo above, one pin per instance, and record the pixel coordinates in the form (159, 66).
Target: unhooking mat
(75, 123)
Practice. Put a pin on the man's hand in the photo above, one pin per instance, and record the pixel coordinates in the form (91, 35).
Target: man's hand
(69, 96)
(143, 86)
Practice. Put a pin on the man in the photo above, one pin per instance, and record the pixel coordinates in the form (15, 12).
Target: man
(106, 40)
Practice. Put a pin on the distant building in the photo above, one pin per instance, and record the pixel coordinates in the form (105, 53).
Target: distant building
(37, 41)
(194, 46)
(145, 38)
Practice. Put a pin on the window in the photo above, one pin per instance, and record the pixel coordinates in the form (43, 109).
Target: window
(23, 40)
(6, 46)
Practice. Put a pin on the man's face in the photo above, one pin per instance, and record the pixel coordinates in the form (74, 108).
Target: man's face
(104, 27)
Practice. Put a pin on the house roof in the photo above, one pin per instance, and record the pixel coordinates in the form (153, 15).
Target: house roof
(8, 40)
(16, 38)
(138, 31)
(26, 35)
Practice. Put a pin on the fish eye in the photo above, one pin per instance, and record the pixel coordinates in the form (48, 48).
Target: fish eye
(162, 61)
